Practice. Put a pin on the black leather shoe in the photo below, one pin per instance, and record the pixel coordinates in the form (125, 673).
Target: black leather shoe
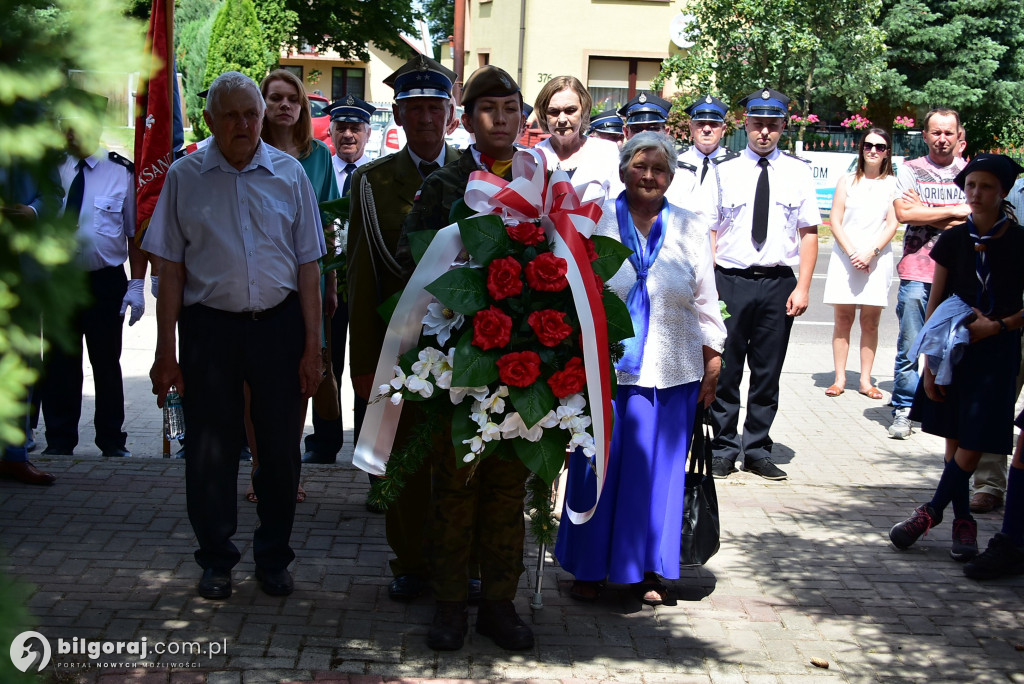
(275, 582)
(317, 457)
(215, 584)
(500, 621)
(476, 591)
(721, 469)
(766, 469)
(448, 630)
(116, 453)
(406, 588)
(57, 451)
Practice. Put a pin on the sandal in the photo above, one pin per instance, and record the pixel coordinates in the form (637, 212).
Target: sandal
(651, 591)
(872, 393)
(834, 391)
(583, 590)
(250, 495)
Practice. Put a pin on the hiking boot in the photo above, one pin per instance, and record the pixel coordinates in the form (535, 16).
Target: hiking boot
(904, 534)
(500, 621)
(965, 540)
(721, 469)
(448, 630)
(765, 468)
(901, 427)
(1002, 557)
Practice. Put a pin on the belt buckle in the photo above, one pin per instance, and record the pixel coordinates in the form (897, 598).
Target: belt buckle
(759, 271)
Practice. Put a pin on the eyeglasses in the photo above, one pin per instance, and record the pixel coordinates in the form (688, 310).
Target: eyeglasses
(878, 147)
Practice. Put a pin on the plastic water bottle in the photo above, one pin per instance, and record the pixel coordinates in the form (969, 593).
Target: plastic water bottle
(174, 416)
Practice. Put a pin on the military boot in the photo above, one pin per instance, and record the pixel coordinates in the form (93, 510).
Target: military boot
(448, 630)
(499, 621)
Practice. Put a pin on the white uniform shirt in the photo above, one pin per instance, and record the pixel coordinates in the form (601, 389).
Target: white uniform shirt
(685, 315)
(107, 218)
(792, 205)
(242, 235)
(340, 174)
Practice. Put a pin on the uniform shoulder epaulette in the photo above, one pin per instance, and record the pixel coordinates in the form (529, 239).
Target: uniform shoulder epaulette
(790, 154)
(377, 163)
(686, 165)
(729, 154)
(122, 161)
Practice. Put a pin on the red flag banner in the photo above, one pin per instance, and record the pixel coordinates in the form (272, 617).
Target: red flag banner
(154, 121)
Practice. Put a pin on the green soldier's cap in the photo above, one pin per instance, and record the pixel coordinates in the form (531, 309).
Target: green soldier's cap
(488, 81)
(421, 76)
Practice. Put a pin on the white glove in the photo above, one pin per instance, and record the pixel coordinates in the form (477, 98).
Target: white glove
(135, 297)
(154, 285)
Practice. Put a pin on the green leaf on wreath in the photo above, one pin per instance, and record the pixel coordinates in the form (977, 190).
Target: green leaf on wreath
(460, 210)
(610, 255)
(544, 457)
(485, 238)
(533, 402)
(418, 242)
(472, 366)
(387, 308)
(335, 209)
(620, 324)
(463, 290)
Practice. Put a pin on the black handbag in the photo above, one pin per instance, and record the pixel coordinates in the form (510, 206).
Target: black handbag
(701, 530)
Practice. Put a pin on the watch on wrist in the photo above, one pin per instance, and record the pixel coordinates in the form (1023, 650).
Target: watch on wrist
(877, 251)
(1002, 325)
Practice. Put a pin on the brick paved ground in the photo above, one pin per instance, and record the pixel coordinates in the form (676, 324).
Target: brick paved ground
(805, 572)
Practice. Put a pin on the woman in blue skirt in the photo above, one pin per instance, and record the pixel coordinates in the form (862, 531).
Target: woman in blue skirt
(974, 313)
(670, 366)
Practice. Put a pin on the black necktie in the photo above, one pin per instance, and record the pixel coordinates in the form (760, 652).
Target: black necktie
(349, 168)
(704, 171)
(759, 230)
(74, 205)
(427, 168)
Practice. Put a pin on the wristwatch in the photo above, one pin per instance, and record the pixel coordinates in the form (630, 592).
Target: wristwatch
(877, 251)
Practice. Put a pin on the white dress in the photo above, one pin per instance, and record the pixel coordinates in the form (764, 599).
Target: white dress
(597, 160)
(867, 204)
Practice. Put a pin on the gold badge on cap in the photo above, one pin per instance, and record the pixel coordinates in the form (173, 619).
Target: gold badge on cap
(642, 99)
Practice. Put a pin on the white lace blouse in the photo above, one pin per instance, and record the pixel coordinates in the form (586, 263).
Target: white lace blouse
(685, 315)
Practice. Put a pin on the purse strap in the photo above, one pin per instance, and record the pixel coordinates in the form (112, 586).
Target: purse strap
(700, 449)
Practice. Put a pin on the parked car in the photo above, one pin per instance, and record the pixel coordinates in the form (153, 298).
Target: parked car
(393, 138)
(378, 122)
(321, 120)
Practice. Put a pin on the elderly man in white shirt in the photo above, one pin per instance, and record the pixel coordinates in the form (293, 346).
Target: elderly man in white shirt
(239, 233)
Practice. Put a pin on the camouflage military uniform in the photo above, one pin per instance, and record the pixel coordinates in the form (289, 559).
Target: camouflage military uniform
(385, 189)
(485, 502)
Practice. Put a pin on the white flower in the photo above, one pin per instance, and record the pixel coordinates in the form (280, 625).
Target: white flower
(440, 321)
(490, 432)
(495, 403)
(585, 442)
(468, 458)
(429, 359)
(457, 394)
(398, 382)
(476, 444)
(549, 421)
(479, 417)
(513, 426)
(442, 370)
(396, 398)
(422, 387)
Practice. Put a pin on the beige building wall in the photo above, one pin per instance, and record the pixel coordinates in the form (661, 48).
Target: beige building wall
(598, 41)
(317, 72)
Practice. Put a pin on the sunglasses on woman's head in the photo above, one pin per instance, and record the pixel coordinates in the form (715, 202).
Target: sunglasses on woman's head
(878, 147)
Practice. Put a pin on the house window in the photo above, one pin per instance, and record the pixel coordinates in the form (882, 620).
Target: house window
(294, 68)
(348, 81)
(484, 58)
(613, 82)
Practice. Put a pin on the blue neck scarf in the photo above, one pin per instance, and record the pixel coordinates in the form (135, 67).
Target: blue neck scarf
(983, 271)
(638, 301)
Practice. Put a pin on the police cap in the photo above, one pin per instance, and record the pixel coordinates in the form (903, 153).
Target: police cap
(645, 108)
(766, 102)
(608, 122)
(708, 108)
(350, 109)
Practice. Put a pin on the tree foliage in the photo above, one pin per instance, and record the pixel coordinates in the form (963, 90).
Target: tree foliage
(964, 54)
(40, 42)
(236, 43)
(193, 21)
(349, 26)
(278, 24)
(440, 16)
(807, 49)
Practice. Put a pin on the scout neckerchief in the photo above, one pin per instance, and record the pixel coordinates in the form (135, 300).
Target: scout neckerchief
(982, 269)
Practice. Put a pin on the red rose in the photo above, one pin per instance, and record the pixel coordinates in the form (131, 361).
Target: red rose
(492, 328)
(591, 252)
(526, 233)
(547, 273)
(570, 380)
(503, 278)
(550, 326)
(519, 369)
(599, 283)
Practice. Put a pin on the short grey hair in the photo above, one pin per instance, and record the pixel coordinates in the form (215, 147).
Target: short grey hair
(225, 83)
(649, 140)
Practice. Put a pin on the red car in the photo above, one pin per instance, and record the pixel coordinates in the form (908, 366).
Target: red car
(321, 120)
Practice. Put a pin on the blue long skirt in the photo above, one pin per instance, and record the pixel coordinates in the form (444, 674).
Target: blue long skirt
(637, 525)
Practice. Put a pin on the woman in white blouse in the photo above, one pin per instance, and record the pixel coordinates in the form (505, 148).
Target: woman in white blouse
(563, 110)
(669, 367)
